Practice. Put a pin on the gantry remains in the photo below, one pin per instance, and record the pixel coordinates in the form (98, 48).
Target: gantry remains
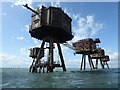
(53, 26)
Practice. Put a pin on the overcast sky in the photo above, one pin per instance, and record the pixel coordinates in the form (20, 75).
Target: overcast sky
(89, 20)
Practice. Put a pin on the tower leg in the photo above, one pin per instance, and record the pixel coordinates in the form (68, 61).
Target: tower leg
(40, 53)
(40, 69)
(48, 62)
(51, 56)
(61, 57)
(47, 68)
(82, 61)
(34, 69)
(38, 58)
(107, 65)
(90, 62)
(92, 65)
(32, 65)
(101, 64)
(96, 64)
(43, 69)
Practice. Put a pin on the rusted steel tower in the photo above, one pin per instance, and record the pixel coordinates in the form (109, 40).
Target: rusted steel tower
(53, 26)
(34, 54)
(105, 59)
(100, 55)
(86, 47)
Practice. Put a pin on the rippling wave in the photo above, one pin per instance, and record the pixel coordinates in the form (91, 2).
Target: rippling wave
(72, 78)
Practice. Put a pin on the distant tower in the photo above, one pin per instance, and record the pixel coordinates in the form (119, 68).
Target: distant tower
(86, 47)
(105, 59)
(100, 55)
(33, 53)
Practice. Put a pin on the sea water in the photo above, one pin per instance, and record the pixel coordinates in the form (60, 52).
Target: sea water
(72, 78)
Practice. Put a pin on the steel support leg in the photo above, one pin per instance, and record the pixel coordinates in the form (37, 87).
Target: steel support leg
(107, 65)
(32, 65)
(82, 61)
(61, 57)
(48, 63)
(101, 64)
(40, 52)
(51, 55)
(38, 58)
(43, 69)
(90, 62)
(34, 69)
(96, 64)
(40, 69)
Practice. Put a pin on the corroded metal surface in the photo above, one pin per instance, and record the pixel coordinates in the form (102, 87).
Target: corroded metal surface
(46, 25)
(100, 53)
(85, 45)
(52, 25)
(105, 59)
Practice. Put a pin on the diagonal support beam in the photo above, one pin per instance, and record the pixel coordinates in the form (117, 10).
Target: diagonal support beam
(40, 52)
(32, 65)
(61, 57)
(82, 61)
(39, 56)
(107, 65)
(101, 64)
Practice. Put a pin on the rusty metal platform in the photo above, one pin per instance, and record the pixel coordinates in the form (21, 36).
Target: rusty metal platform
(46, 32)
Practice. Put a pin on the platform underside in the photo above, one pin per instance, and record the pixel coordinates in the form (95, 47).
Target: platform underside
(105, 60)
(85, 52)
(46, 33)
(97, 57)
